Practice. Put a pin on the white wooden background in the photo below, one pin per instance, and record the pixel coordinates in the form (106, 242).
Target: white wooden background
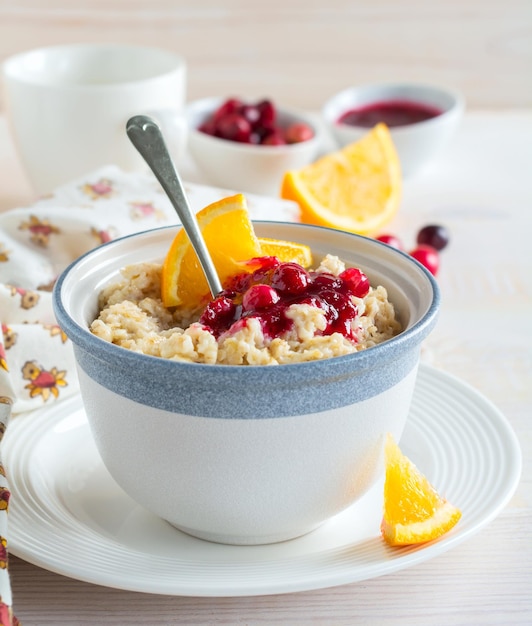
(301, 51)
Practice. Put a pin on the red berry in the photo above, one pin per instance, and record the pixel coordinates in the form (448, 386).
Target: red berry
(427, 256)
(251, 113)
(324, 280)
(274, 138)
(356, 281)
(391, 240)
(267, 114)
(208, 127)
(218, 313)
(230, 106)
(338, 300)
(259, 297)
(433, 235)
(234, 127)
(298, 132)
(290, 278)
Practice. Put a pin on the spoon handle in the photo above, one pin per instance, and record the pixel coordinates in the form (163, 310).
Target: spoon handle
(147, 138)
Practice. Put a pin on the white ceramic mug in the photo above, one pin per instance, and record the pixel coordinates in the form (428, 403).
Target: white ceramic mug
(68, 105)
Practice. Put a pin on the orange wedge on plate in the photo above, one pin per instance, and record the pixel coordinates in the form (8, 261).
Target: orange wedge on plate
(414, 512)
(357, 189)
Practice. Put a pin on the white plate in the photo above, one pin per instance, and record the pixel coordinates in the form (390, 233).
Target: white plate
(69, 516)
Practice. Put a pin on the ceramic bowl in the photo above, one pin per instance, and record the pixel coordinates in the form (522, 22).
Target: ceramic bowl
(417, 143)
(247, 454)
(241, 166)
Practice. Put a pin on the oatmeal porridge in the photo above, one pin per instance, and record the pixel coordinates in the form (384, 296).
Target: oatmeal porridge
(280, 313)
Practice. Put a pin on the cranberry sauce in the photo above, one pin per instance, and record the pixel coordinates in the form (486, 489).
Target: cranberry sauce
(267, 293)
(392, 113)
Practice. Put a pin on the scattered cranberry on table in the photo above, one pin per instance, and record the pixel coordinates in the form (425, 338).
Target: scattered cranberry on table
(391, 240)
(255, 123)
(433, 235)
(428, 257)
(430, 239)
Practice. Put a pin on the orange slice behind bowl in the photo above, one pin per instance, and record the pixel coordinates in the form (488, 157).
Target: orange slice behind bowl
(357, 189)
(414, 512)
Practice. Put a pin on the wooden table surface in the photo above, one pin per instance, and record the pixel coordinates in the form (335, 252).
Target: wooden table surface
(480, 188)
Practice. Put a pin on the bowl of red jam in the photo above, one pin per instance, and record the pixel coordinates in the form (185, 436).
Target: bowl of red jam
(421, 118)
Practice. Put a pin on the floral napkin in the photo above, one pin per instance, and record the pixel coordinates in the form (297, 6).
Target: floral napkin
(36, 360)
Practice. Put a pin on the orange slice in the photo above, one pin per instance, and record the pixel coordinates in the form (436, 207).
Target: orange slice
(286, 251)
(230, 239)
(232, 243)
(357, 189)
(413, 510)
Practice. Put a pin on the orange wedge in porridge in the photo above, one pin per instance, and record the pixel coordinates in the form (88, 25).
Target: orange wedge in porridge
(286, 251)
(414, 512)
(357, 189)
(231, 240)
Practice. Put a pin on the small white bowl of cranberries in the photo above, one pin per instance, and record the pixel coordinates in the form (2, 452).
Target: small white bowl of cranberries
(421, 118)
(248, 145)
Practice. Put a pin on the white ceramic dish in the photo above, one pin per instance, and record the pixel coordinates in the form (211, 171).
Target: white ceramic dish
(241, 166)
(69, 516)
(416, 144)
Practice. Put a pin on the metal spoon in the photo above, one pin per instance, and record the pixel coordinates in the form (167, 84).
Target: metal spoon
(147, 138)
